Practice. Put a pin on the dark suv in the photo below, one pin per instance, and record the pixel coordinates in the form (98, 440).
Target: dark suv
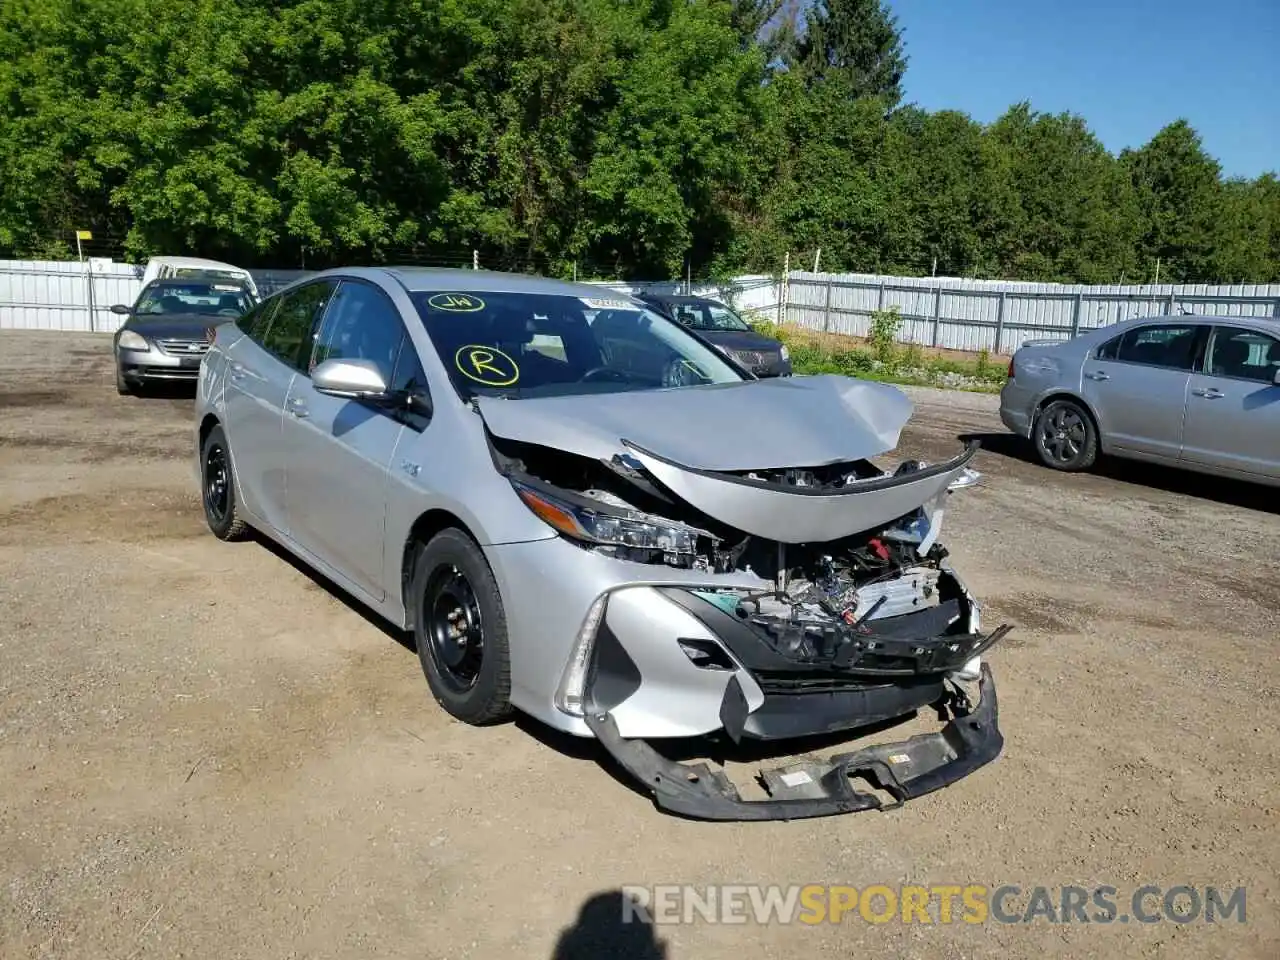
(723, 327)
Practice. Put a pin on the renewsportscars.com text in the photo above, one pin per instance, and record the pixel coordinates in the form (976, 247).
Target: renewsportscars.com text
(934, 904)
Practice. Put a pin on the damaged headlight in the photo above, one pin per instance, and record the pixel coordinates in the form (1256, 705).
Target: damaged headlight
(598, 525)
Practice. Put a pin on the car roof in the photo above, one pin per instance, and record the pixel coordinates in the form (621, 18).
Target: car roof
(430, 279)
(1268, 324)
(194, 263)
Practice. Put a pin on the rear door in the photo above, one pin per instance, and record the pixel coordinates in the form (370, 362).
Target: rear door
(1136, 383)
(1233, 404)
(260, 368)
(341, 450)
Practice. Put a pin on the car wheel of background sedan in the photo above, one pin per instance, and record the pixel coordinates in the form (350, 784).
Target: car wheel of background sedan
(1065, 437)
(218, 488)
(461, 629)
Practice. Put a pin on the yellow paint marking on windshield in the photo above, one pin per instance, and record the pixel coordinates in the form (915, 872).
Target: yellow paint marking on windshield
(456, 302)
(486, 365)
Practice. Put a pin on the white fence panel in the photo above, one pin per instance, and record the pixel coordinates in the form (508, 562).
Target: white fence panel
(997, 315)
(53, 295)
(950, 312)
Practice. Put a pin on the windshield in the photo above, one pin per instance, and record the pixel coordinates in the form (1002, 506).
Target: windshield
(708, 316)
(219, 299)
(529, 345)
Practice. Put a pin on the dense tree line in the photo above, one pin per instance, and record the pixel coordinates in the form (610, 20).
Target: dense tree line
(644, 137)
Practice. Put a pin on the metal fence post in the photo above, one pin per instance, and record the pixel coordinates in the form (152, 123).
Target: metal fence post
(880, 299)
(88, 276)
(937, 314)
(826, 310)
(1172, 303)
(1000, 322)
(1075, 316)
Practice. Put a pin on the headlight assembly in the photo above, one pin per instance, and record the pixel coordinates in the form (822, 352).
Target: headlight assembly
(132, 341)
(608, 525)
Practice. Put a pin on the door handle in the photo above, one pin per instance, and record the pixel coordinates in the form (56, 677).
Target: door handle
(237, 371)
(1209, 393)
(1097, 375)
(298, 408)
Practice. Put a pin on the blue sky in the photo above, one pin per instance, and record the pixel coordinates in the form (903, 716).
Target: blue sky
(1128, 67)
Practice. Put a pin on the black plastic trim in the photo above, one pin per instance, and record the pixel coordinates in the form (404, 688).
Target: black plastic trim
(906, 770)
(612, 676)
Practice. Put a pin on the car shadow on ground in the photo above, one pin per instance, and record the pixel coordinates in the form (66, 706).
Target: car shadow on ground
(175, 390)
(613, 925)
(1235, 493)
(402, 637)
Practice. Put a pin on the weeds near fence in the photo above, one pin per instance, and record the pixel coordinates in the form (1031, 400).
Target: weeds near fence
(881, 357)
(885, 327)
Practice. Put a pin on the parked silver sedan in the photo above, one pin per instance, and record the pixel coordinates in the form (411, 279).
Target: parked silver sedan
(1201, 393)
(582, 510)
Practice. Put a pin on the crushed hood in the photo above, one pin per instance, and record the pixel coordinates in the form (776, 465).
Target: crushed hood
(754, 425)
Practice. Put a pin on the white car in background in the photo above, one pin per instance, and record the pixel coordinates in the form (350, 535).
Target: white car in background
(185, 268)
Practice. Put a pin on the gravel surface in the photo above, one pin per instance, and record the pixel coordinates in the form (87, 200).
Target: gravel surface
(204, 752)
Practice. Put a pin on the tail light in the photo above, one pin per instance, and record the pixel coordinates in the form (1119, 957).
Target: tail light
(1010, 368)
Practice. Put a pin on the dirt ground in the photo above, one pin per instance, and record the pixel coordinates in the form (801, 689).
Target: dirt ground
(205, 753)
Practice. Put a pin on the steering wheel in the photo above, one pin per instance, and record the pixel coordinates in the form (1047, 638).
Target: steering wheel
(603, 373)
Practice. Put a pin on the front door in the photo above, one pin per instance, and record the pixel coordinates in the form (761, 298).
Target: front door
(261, 367)
(1233, 406)
(1137, 386)
(341, 450)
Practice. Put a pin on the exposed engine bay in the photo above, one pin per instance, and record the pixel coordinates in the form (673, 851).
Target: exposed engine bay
(881, 602)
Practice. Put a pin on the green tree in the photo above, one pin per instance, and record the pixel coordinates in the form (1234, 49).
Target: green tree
(854, 44)
(1178, 191)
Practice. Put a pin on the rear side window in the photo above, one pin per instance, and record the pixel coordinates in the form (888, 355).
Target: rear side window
(254, 323)
(289, 335)
(1159, 346)
(1243, 354)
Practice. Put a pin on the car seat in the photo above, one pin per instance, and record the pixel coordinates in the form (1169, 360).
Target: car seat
(1231, 358)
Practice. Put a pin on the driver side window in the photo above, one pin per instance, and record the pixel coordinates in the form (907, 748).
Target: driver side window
(361, 324)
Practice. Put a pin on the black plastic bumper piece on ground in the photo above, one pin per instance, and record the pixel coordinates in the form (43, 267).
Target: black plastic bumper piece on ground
(905, 770)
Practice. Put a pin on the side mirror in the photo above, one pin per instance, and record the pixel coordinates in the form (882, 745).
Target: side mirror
(121, 309)
(1276, 378)
(350, 380)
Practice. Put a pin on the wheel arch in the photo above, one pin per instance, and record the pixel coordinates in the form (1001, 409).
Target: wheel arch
(206, 427)
(1075, 398)
(423, 529)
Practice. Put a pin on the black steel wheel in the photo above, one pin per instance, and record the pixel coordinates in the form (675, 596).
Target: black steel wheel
(1065, 436)
(218, 488)
(461, 629)
(455, 628)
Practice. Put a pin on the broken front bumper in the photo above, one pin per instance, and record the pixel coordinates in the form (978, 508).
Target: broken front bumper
(905, 770)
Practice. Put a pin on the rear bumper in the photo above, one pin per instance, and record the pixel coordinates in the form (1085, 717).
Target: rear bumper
(906, 770)
(1015, 409)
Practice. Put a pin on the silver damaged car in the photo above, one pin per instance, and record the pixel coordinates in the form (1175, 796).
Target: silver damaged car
(584, 511)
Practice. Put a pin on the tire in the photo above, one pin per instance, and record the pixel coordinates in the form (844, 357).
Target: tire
(218, 488)
(460, 629)
(1065, 436)
(122, 385)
